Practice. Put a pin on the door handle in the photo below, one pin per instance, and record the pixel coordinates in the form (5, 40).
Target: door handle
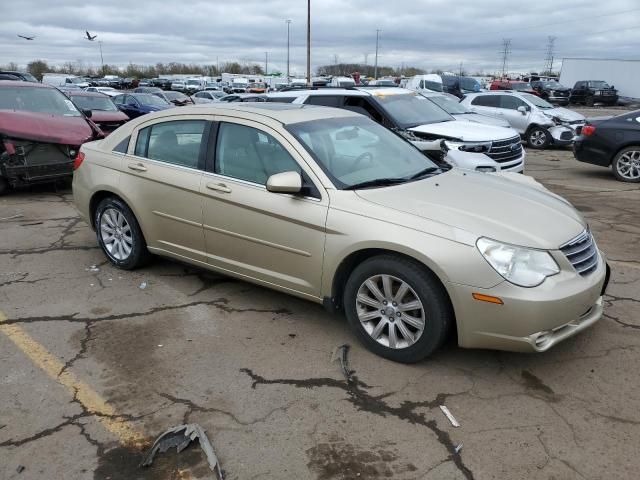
(138, 167)
(218, 187)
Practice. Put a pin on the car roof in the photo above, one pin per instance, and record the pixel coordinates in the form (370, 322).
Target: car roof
(84, 93)
(285, 113)
(20, 83)
(352, 92)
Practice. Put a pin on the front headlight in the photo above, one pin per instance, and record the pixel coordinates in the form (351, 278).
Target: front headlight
(473, 147)
(521, 266)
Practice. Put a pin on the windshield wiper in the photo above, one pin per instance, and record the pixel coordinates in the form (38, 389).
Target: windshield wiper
(378, 182)
(424, 173)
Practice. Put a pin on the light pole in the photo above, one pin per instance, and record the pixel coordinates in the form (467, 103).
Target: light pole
(101, 58)
(375, 68)
(288, 25)
(266, 63)
(309, 42)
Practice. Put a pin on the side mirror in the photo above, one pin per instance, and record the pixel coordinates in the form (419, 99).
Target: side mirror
(522, 110)
(87, 113)
(285, 182)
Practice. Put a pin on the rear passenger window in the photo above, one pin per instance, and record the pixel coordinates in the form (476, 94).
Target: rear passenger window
(324, 100)
(176, 142)
(512, 103)
(123, 146)
(250, 154)
(485, 101)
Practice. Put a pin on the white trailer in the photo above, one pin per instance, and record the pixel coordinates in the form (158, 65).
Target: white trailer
(623, 74)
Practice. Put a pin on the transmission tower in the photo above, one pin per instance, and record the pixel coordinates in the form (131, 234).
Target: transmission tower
(548, 63)
(506, 51)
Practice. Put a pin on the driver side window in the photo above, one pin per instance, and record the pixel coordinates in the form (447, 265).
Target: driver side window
(511, 102)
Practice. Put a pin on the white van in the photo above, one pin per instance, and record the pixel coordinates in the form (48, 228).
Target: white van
(64, 80)
(430, 83)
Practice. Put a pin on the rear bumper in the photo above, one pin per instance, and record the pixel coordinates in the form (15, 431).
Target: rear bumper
(530, 319)
(583, 152)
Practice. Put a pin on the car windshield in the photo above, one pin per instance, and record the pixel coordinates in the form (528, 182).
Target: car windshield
(36, 99)
(410, 110)
(175, 96)
(193, 82)
(448, 104)
(28, 77)
(85, 102)
(353, 151)
(385, 83)
(78, 80)
(521, 86)
(599, 84)
(239, 84)
(346, 83)
(148, 99)
(106, 89)
(430, 85)
(537, 101)
(470, 84)
(553, 85)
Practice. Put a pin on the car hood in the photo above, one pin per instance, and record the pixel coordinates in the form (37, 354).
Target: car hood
(503, 207)
(101, 116)
(484, 119)
(465, 131)
(44, 127)
(564, 114)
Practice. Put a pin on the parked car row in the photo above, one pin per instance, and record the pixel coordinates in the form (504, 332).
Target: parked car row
(586, 92)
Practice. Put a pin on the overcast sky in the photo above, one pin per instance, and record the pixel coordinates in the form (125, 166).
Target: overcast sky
(423, 33)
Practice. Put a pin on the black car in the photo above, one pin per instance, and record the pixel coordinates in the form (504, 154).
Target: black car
(161, 83)
(552, 91)
(590, 92)
(25, 77)
(459, 86)
(612, 141)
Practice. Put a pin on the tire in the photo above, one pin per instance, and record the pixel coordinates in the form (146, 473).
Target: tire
(4, 186)
(538, 138)
(113, 218)
(626, 164)
(426, 327)
(589, 101)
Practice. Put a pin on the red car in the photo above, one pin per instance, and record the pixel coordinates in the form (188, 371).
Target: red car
(517, 85)
(41, 131)
(104, 112)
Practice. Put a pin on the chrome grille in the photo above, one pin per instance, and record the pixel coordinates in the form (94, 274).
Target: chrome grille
(582, 253)
(506, 150)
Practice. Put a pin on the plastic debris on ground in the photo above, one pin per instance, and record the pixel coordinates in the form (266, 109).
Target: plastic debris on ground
(341, 353)
(92, 268)
(180, 437)
(449, 415)
(143, 285)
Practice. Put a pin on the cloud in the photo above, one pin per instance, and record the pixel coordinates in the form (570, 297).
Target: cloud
(424, 33)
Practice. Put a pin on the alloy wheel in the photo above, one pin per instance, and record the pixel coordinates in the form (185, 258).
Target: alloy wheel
(116, 234)
(390, 311)
(628, 165)
(538, 138)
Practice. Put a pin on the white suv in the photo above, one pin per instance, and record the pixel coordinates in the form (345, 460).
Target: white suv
(540, 123)
(418, 120)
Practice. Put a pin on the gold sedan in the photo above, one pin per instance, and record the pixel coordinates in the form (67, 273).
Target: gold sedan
(327, 205)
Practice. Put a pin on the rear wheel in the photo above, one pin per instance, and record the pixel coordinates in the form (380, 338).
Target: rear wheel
(626, 164)
(119, 234)
(4, 186)
(538, 137)
(397, 308)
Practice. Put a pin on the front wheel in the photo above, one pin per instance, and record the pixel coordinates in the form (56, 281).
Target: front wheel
(626, 164)
(589, 102)
(397, 308)
(538, 137)
(119, 234)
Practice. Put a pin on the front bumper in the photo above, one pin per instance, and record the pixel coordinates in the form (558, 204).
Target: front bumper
(564, 134)
(530, 319)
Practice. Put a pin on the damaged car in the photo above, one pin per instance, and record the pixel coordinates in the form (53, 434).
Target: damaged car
(104, 112)
(41, 131)
(536, 120)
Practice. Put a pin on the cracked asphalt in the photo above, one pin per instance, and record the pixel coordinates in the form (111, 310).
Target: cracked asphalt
(254, 368)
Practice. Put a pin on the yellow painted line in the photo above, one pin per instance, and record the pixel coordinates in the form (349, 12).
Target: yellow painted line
(126, 433)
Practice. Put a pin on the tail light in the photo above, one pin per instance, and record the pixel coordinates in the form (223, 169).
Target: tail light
(588, 130)
(9, 147)
(78, 160)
